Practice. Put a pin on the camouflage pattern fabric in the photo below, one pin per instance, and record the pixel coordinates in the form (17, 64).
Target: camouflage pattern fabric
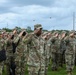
(70, 53)
(2, 46)
(20, 58)
(36, 59)
(55, 52)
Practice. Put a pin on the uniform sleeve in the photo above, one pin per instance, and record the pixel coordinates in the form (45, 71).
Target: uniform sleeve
(27, 39)
(75, 41)
(16, 40)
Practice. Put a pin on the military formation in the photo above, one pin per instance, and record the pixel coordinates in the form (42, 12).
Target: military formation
(38, 50)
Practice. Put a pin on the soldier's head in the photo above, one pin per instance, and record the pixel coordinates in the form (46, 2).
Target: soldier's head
(49, 34)
(63, 34)
(38, 29)
(44, 35)
(71, 33)
(10, 34)
(56, 33)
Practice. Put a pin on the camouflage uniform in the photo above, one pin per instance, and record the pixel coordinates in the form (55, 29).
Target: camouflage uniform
(75, 55)
(48, 48)
(62, 52)
(47, 52)
(20, 58)
(10, 63)
(36, 58)
(75, 52)
(2, 46)
(70, 53)
(9, 54)
(62, 49)
(55, 51)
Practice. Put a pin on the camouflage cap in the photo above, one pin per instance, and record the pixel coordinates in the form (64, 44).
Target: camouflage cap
(63, 32)
(71, 32)
(55, 32)
(44, 33)
(38, 26)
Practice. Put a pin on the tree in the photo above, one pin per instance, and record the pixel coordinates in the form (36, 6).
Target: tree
(7, 29)
(29, 29)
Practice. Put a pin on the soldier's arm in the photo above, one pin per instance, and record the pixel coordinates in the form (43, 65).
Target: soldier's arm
(18, 38)
(28, 38)
(66, 39)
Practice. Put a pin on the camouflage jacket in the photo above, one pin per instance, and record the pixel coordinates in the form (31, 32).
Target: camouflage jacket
(2, 44)
(55, 46)
(36, 50)
(70, 45)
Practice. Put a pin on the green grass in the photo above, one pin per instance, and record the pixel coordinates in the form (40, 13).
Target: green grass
(61, 71)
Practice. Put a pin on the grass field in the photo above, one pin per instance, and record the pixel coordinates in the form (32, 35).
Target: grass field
(61, 71)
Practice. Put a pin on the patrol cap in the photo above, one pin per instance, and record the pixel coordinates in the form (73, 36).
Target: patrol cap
(63, 32)
(71, 32)
(44, 33)
(55, 32)
(38, 26)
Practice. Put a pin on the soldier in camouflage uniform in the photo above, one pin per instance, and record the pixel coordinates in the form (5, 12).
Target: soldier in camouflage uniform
(62, 48)
(47, 48)
(70, 52)
(2, 46)
(20, 56)
(75, 50)
(10, 64)
(55, 51)
(36, 58)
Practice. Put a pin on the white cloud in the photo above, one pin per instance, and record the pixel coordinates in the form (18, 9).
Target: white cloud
(60, 11)
(3, 2)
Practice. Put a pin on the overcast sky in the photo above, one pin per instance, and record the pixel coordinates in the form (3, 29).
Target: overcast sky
(52, 14)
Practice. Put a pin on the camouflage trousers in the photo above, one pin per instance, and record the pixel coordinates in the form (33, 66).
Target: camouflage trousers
(20, 67)
(1, 67)
(47, 60)
(9, 65)
(36, 70)
(70, 61)
(75, 59)
(47, 63)
(55, 60)
(61, 59)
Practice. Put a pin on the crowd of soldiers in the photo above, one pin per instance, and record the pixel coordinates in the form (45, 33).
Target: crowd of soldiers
(37, 50)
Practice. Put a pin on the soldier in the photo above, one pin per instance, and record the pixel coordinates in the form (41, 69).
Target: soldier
(70, 52)
(75, 50)
(20, 56)
(62, 48)
(2, 47)
(55, 50)
(10, 66)
(49, 47)
(46, 37)
(36, 58)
